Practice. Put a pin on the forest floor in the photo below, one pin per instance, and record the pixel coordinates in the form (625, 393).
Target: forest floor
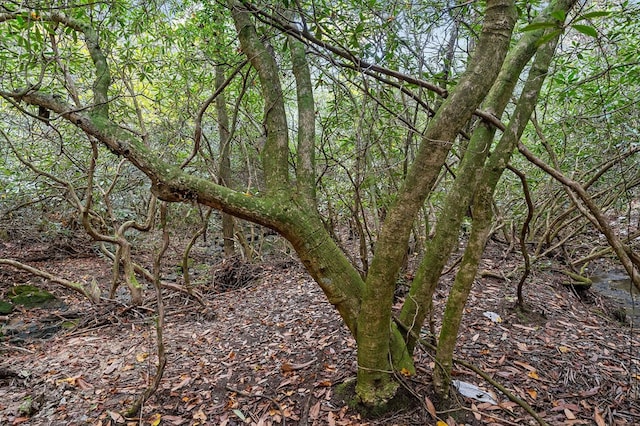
(273, 351)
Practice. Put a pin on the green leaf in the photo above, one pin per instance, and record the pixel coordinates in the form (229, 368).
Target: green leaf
(591, 15)
(560, 15)
(586, 29)
(539, 26)
(548, 37)
(240, 414)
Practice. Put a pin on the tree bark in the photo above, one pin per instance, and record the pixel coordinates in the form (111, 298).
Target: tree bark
(224, 173)
(375, 385)
(482, 220)
(460, 196)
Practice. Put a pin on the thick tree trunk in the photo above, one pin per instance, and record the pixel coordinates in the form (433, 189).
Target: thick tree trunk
(375, 384)
(482, 219)
(460, 196)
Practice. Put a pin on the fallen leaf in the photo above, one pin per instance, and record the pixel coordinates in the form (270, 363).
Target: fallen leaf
(525, 365)
(430, 407)
(141, 356)
(533, 375)
(331, 419)
(314, 412)
(598, 418)
(116, 417)
(590, 392)
(185, 381)
(174, 420)
(69, 380)
(532, 393)
(155, 419)
(476, 413)
(200, 415)
(569, 414)
(563, 349)
(83, 384)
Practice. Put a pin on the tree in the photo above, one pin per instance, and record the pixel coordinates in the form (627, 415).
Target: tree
(481, 85)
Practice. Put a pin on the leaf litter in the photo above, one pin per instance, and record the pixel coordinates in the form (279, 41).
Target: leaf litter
(275, 351)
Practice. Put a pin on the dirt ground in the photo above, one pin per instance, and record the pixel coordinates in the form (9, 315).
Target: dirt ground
(273, 351)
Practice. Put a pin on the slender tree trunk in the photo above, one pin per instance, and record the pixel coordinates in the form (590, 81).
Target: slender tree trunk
(459, 197)
(224, 174)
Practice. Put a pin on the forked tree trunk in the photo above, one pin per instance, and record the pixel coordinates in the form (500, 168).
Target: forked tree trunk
(375, 384)
(460, 196)
(482, 218)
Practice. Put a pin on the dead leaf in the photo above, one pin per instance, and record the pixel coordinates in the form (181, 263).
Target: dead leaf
(533, 375)
(141, 356)
(116, 417)
(83, 384)
(598, 418)
(174, 420)
(569, 414)
(590, 392)
(185, 381)
(430, 407)
(200, 415)
(155, 419)
(525, 365)
(476, 413)
(331, 420)
(532, 393)
(314, 412)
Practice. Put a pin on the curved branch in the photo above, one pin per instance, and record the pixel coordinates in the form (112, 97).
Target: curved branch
(92, 293)
(622, 251)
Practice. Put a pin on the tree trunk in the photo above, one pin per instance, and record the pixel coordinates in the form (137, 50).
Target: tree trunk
(482, 219)
(224, 173)
(375, 377)
(460, 196)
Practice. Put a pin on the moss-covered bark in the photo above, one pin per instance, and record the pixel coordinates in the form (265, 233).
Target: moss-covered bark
(482, 219)
(224, 177)
(374, 331)
(460, 196)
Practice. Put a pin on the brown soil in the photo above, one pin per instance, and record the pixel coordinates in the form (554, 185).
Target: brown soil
(274, 351)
